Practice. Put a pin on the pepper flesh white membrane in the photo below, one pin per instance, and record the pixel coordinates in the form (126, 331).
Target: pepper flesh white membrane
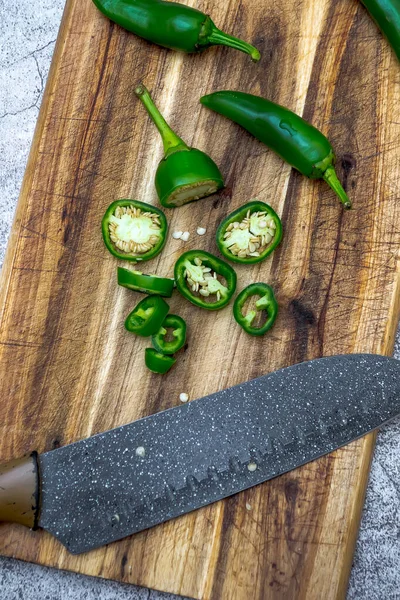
(133, 231)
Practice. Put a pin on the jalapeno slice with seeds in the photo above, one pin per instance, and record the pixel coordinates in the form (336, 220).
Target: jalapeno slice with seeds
(146, 284)
(147, 317)
(157, 362)
(160, 341)
(204, 279)
(250, 233)
(134, 230)
(267, 302)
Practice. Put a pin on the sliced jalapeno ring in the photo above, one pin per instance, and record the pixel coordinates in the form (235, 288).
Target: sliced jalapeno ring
(147, 284)
(266, 303)
(157, 362)
(170, 346)
(250, 233)
(204, 279)
(133, 230)
(148, 316)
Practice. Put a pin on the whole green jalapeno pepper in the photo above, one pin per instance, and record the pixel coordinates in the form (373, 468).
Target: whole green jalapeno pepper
(386, 14)
(171, 25)
(134, 230)
(299, 143)
(157, 362)
(204, 279)
(160, 341)
(146, 284)
(266, 303)
(184, 174)
(250, 233)
(147, 317)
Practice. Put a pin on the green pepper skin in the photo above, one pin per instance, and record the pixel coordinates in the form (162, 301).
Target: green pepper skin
(386, 14)
(295, 140)
(214, 263)
(157, 362)
(239, 215)
(171, 25)
(184, 174)
(144, 208)
(147, 317)
(186, 168)
(179, 332)
(267, 302)
(146, 284)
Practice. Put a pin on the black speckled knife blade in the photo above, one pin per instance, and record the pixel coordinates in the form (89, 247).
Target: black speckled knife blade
(123, 481)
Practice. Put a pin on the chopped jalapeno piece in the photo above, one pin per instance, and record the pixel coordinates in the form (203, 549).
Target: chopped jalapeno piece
(157, 362)
(204, 279)
(160, 341)
(250, 233)
(133, 230)
(266, 303)
(147, 284)
(148, 316)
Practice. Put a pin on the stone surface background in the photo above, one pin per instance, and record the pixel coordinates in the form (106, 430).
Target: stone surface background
(28, 30)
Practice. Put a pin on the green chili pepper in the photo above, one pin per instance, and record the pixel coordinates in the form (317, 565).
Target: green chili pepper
(250, 233)
(184, 174)
(266, 302)
(178, 326)
(157, 362)
(204, 279)
(299, 143)
(147, 317)
(171, 25)
(386, 14)
(133, 230)
(147, 284)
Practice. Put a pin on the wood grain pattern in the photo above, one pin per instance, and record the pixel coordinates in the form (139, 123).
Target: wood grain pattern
(68, 368)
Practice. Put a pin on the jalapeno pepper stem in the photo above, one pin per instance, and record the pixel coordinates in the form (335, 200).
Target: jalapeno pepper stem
(171, 141)
(332, 180)
(221, 38)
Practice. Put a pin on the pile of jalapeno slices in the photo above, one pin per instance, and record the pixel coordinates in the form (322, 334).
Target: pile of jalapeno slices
(137, 232)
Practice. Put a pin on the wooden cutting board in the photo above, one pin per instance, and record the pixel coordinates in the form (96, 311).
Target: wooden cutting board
(69, 369)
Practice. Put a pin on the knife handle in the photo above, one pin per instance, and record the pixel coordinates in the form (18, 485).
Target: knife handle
(20, 491)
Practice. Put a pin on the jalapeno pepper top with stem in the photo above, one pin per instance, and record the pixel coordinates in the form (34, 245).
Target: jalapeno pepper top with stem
(204, 279)
(295, 140)
(171, 25)
(147, 317)
(386, 14)
(184, 174)
(265, 304)
(160, 339)
(250, 233)
(147, 284)
(133, 230)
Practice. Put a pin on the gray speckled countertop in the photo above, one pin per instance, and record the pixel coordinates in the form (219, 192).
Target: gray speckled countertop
(28, 30)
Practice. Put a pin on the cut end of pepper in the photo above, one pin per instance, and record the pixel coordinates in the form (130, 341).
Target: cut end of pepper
(332, 180)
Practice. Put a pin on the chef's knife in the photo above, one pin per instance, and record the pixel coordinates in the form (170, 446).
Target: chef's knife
(113, 484)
